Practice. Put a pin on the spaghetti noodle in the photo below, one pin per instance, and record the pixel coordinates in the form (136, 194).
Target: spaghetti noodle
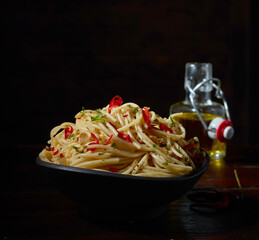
(124, 138)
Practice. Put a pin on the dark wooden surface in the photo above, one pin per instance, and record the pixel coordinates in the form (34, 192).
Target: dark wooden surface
(33, 209)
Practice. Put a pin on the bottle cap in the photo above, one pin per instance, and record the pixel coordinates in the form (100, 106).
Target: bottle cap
(225, 131)
(221, 129)
(228, 132)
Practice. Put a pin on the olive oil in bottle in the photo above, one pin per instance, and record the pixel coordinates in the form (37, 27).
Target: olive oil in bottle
(193, 126)
(196, 74)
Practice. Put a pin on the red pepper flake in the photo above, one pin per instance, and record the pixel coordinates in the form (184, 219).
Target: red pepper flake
(91, 149)
(68, 131)
(95, 138)
(115, 102)
(48, 148)
(113, 126)
(124, 136)
(55, 153)
(92, 143)
(61, 155)
(189, 146)
(113, 169)
(146, 116)
(126, 115)
(163, 127)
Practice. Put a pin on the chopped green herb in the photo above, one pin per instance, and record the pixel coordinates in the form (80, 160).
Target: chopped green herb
(172, 121)
(165, 163)
(76, 148)
(135, 110)
(163, 144)
(114, 145)
(71, 136)
(155, 146)
(98, 117)
(195, 141)
(82, 111)
(128, 105)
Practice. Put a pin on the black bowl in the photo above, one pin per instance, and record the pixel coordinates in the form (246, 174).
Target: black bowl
(108, 195)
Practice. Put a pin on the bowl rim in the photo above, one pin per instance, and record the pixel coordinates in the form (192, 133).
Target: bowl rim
(64, 168)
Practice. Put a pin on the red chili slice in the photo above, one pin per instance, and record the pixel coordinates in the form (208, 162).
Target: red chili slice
(68, 131)
(91, 149)
(48, 148)
(55, 153)
(93, 143)
(109, 140)
(146, 116)
(61, 155)
(115, 102)
(163, 127)
(113, 126)
(113, 169)
(95, 138)
(125, 137)
(190, 145)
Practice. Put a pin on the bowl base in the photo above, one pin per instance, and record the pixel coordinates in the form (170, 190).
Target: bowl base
(134, 213)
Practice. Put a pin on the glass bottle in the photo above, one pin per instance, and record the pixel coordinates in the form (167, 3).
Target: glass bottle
(197, 73)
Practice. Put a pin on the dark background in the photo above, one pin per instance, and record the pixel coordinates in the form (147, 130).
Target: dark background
(57, 58)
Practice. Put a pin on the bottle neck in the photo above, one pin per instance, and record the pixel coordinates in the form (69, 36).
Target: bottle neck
(200, 98)
(197, 76)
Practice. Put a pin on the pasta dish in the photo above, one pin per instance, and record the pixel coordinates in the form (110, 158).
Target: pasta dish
(124, 138)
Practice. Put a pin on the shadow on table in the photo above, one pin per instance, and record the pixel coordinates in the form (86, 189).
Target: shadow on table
(180, 220)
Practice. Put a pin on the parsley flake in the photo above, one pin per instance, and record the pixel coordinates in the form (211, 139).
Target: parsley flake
(98, 117)
(195, 141)
(71, 136)
(163, 144)
(135, 111)
(172, 121)
(114, 145)
(82, 111)
(76, 148)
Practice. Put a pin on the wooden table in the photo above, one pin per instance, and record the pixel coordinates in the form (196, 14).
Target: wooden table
(33, 209)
